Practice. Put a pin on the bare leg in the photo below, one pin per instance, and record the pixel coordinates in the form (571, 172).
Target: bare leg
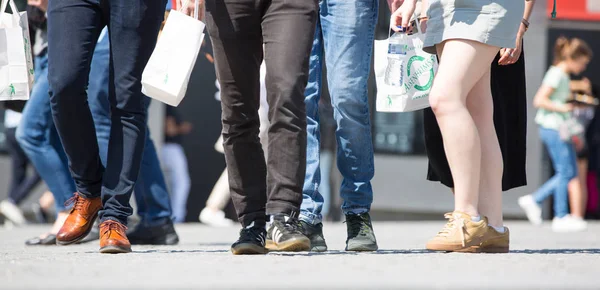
(481, 108)
(463, 64)
(578, 190)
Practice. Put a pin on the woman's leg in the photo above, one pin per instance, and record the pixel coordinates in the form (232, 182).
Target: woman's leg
(578, 190)
(481, 108)
(462, 65)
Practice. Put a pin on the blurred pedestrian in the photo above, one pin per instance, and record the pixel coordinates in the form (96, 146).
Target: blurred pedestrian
(73, 29)
(22, 183)
(571, 56)
(175, 161)
(345, 45)
(238, 31)
(462, 102)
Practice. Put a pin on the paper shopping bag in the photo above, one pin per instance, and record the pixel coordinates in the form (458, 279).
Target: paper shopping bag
(417, 72)
(16, 61)
(168, 71)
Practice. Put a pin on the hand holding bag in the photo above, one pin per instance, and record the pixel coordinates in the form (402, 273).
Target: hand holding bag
(418, 73)
(16, 60)
(167, 74)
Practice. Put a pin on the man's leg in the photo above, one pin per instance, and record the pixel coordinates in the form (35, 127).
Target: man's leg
(312, 200)
(73, 29)
(151, 192)
(133, 30)
(286, 79)
(234, 27)
(348, 32)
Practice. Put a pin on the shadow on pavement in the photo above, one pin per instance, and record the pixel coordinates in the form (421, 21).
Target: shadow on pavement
(557, 251)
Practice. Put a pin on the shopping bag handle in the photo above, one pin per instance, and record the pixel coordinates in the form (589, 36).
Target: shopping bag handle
(416, 21)
(196, 8)
(13, 7)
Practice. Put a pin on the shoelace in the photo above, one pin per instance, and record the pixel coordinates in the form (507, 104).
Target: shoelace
(76, 200)
(358, 225)
(455, 221)
(109, 226)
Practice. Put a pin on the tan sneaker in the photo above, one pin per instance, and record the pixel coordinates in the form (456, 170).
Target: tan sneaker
(495, 242)
(460, 234)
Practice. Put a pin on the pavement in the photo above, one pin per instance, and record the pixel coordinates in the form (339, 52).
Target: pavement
(539, 259)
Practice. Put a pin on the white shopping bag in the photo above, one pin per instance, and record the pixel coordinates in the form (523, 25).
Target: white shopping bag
(417, 75)
(16, 61)
(168, 71)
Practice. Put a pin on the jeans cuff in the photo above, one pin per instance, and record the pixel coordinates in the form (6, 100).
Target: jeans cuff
(310, 218)
(113, 219)
(358, 210)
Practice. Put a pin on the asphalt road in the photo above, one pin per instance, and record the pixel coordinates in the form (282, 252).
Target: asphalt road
(539, 259)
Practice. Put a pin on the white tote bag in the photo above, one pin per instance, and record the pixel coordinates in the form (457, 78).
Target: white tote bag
(16, 61)
(168, 71)
(418, 75)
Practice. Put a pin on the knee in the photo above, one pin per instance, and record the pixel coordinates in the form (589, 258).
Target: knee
(567, 173)
(444, 102)
(66, 87)
(28, 137)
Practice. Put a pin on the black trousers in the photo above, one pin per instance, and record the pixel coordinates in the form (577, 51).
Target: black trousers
(20, 185)
(238, 30)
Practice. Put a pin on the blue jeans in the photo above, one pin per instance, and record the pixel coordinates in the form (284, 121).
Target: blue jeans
(151, 195)
(134, 27)
(38, 138)
(564, 161)
(345, 32)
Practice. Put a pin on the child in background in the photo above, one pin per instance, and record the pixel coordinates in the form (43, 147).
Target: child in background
(554, 111)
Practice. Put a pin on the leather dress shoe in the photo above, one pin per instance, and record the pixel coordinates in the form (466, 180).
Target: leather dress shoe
(81, 219)
(113, 239)
(161, 234)
(38, 241)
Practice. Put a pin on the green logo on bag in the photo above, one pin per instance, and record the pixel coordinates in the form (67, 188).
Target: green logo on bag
(166, 78)
(424, 68)
(12, 91)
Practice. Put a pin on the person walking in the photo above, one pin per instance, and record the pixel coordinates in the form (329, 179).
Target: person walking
(74, 27)
(343, 40)
(238, 31)
(21, 184)
(37, 134)
(175, 161)
(571, 56)
(467, 35)
(213, 214)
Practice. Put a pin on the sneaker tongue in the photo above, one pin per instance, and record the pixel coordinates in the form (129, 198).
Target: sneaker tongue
(280, 217)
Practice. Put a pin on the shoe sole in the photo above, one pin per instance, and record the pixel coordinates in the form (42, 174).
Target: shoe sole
(319, 249)
(471, 249)
(156, 242)
(79, 238)
(249, 249)
(362, 248)
(295, 245)
(114, 250)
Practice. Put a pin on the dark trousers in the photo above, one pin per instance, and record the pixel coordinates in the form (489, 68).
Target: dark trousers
(20, 185)
(73, 30)
(238, 30)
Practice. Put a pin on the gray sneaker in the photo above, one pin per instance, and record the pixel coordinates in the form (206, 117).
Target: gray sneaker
(315, 234)
(361, 237)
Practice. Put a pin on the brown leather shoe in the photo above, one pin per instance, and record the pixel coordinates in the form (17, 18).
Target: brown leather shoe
(80, 221)
(113, 239)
